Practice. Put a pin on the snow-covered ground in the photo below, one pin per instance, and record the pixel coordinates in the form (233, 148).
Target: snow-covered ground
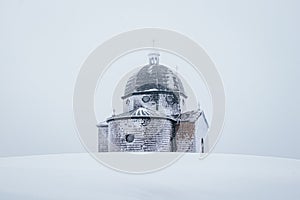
(219, 176)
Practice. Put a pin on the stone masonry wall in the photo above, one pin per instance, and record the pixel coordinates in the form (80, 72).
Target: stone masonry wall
(185, 137)
(102, 139)
(147, 134)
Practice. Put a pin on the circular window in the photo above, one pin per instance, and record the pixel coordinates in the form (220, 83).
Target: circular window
(170, 99)
(146, 99)
(129, 138)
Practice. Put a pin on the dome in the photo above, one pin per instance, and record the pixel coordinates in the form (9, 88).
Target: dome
(153, 77)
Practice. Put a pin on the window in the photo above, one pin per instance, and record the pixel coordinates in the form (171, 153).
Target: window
(129, 138)
(170, 99)
(146, 99)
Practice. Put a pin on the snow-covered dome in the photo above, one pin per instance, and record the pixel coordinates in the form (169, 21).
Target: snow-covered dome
(154, 77)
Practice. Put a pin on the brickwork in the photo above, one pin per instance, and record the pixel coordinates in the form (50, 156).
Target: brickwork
(185, 137)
